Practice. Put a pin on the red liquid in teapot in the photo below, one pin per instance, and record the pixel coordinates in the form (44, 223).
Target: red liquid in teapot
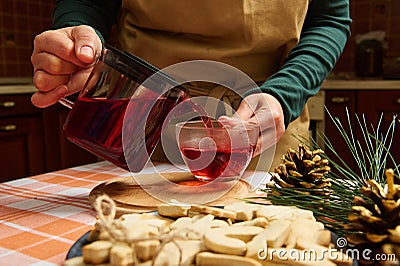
(229, 163)
(96, 125)
(106, 127)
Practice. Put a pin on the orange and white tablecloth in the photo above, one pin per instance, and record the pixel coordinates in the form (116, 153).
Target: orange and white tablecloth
(42, 216)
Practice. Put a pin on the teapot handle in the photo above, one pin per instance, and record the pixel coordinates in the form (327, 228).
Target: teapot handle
(66, 102)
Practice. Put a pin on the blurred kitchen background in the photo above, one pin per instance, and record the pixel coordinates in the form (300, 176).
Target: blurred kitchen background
(31, 139)
(21, 20)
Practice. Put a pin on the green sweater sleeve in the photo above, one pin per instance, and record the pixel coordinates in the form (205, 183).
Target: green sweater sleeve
(324, 35)
(99, 14)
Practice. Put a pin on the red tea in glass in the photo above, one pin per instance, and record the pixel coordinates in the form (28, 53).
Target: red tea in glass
(213, 152)
(224, 163)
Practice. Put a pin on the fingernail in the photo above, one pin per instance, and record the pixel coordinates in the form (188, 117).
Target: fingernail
(87, 50)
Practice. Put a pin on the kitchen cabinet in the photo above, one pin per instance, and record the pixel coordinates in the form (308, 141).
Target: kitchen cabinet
(371, 103)
(32, 140)
(21, 138)
(382, 106)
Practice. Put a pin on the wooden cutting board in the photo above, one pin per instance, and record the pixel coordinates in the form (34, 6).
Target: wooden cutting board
(145, 192)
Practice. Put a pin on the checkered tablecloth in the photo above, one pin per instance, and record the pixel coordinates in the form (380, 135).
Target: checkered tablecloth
(42, 216)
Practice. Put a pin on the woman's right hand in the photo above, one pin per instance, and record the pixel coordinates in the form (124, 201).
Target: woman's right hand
(62, 61)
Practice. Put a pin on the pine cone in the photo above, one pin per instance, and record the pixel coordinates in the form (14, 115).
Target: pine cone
(304, 169)
(375, 219)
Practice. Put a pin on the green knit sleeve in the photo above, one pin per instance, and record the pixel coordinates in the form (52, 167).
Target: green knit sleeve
(99, 14)
(324, 35)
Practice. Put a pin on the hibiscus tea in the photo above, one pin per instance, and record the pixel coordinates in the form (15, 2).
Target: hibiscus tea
(216, 151)
(223, 162)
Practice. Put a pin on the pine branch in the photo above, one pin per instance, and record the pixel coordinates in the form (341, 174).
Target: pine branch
(332, 206)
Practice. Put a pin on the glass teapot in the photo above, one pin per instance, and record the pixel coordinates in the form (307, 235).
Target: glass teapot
(119, 114)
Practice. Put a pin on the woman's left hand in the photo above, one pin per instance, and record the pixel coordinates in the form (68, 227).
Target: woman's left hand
(262, 110)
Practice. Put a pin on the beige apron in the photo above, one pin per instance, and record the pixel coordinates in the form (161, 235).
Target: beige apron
(254, 36)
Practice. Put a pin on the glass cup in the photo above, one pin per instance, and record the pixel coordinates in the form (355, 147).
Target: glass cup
(119, 114)
(217, 151)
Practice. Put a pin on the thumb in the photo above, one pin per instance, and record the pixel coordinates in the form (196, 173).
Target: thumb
(87, 44)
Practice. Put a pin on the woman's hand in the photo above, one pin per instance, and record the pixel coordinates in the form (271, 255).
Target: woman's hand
(62, 61)
(262, 110)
